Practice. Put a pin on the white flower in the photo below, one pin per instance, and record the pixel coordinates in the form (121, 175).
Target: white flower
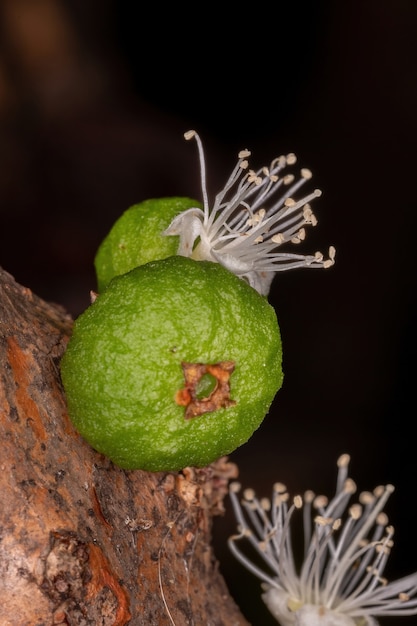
(346, 547)
(251, 218)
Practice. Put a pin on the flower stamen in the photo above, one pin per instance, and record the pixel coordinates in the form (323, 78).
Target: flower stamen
(346, 548)
(249, 221)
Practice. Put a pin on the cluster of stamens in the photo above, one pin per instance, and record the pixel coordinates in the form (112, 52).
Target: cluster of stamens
(345, 553)
(252, 216)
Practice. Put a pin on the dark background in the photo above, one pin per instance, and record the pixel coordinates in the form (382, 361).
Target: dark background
(94, 100)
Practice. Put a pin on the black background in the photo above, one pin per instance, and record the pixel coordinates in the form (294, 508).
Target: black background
(87, 132)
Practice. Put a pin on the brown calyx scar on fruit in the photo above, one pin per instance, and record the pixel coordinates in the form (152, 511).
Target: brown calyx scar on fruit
(219, 396)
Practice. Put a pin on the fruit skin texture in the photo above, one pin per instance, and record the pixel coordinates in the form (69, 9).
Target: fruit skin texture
(136, 237)
(122, 367)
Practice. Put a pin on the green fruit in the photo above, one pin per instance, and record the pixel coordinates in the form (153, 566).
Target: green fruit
(136, 237)
(129, 389)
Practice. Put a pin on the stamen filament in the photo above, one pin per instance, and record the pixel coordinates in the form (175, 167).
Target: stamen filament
(252, 216)
(341, 578)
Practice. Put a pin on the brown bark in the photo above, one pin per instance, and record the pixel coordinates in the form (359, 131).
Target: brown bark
(83, 542)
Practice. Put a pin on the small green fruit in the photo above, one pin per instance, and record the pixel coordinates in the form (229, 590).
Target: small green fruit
(136, 237)
(176, 363)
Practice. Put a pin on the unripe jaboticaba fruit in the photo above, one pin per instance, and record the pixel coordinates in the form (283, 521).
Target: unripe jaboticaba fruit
(176, 363)
(136, 237)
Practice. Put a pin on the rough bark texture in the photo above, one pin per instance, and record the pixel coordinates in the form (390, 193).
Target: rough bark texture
(83, 542)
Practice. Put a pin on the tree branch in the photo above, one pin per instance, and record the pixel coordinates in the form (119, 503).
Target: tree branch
(82, 541)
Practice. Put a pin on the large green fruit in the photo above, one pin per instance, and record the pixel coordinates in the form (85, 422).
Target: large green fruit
(176, 363)
(136, 237)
